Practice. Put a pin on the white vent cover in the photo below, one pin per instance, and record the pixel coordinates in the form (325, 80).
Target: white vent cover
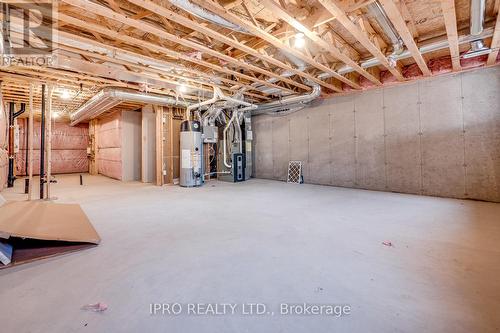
(294, 172)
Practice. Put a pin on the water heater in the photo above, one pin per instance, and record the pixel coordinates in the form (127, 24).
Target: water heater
(191, 147)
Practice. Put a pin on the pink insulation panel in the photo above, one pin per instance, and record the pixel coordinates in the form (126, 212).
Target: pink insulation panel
(4, 168)
(109, 143)
(63, 161)
(69, 148)
(63, 136)
(3, 127)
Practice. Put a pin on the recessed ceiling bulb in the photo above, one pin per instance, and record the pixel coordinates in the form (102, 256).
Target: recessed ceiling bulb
(299, 40)
(65, 94)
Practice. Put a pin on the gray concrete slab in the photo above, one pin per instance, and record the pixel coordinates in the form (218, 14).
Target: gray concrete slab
(266, 242)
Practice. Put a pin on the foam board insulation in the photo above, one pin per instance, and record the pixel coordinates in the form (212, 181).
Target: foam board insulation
(4, 168)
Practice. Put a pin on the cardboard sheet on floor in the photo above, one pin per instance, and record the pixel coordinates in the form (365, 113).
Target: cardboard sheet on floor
(38, 229)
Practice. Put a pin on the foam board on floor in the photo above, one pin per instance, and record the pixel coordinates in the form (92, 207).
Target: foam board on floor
(46, 221)
(38, 229)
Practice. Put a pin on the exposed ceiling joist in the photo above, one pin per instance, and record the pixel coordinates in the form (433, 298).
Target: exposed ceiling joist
(495, 43)
(397, 20)
(276, 42)
(313, 36)
(340, 16)
(450, 20)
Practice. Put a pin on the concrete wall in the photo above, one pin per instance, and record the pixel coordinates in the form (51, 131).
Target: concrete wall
(437, 137)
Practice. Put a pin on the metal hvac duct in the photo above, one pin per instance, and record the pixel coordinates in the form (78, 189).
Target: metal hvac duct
(436, 46)
(110, 97)
(477, 47)
(288, 103)
(376, 10)
(202, 13)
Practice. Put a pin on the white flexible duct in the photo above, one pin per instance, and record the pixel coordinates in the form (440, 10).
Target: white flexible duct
(289, 102)
(220, 98)
(108, 98)
(200, 12)
(375, 8)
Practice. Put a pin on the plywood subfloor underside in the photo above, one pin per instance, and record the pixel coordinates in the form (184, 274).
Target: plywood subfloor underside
(269, 242)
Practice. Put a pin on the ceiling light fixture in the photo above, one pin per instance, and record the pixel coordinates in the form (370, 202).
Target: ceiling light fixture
(182, 88)
(300, 41)
(65, 94)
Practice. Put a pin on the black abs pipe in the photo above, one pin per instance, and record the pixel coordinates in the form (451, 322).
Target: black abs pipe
(42, 144)
(12, 115)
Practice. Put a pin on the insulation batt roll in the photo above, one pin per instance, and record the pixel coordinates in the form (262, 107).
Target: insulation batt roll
(3, 125)
(4, 167)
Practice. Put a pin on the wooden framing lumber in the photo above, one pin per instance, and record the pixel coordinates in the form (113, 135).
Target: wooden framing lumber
(495, 43)
(221, 11)
(450, 20)
(340, 16)
(229, 41)
(400, 25)
(110, 14)
(156, 47)
(313, 36)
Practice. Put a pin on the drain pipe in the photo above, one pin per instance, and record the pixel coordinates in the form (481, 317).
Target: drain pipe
(12, 116)
(42, 144)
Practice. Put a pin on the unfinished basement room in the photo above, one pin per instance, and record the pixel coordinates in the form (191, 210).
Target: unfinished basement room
(257, 166)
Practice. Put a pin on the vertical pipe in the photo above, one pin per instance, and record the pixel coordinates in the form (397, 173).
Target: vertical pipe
(26, 129)
(30, 145)
(10, 179)
(42, 143)
(49, 140)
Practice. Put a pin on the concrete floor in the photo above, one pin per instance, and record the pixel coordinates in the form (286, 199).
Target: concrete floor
(264, 242)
